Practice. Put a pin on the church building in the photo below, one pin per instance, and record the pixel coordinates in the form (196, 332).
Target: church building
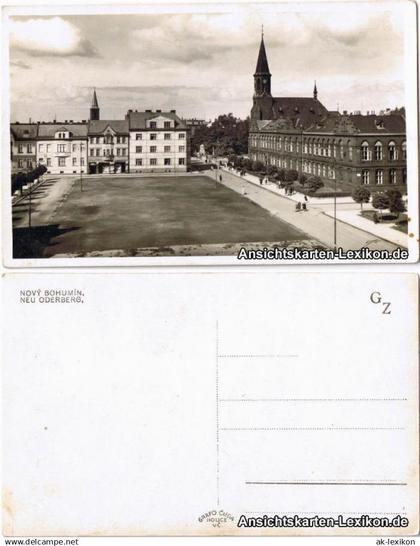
(300, 133)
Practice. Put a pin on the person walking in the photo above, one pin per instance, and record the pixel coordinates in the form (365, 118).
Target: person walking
(298, 207)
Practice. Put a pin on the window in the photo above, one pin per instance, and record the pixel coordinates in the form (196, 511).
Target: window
(48, 162)
(365, 177)
(153, 125)
(61, 148)
(82, 161)
(167, 124)
(364, 150)
(392, 176)
(123, 151)
(61, 161)
(20, 149)
(404, 150)
(92, 140)
(153, 161)
(139, 149)
(350, 150)
(153, 136)
(118, 151)
(139, 136)
(152, 149)
(181, 161)
(181, 148)
(167, 149)
(20, 163)
(74, 147)
(91, 151)
(379, 177)
(167, 136)
(167, 161)
(48, 148)
(404, 176)
(82, 147)
(378, 151)
(181, 135)
(40, 148)
(74, 161)
(98, 152)
(392, 151)
(139, 162)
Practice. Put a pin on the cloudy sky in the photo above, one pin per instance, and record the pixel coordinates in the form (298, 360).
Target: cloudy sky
(202, 63)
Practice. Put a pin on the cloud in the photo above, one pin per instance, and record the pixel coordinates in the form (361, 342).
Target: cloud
(49, 37)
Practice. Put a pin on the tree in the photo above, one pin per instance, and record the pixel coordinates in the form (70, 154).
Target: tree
(281, 175)
(361, 195)
(314, 184)
(226, 134)
(271, 170)
(380, 201)
(291, 175)
(302, 179)
(258, 166)
(396, 204)
(247, 164)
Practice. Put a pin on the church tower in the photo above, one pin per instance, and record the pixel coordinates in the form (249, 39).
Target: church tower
(94, 109)
(262, 76)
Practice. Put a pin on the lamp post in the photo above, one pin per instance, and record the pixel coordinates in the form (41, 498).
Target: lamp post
(335, 205)
(81, 179)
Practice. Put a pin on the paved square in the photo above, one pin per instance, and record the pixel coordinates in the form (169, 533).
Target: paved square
(126, 213)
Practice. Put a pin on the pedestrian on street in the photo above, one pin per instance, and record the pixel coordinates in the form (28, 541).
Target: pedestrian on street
(306, 198)
(298, 207)
(304, 206)
(220, 178)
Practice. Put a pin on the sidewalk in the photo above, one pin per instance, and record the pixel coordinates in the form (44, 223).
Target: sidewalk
(312, 222)
(271, 186)
(385, 231)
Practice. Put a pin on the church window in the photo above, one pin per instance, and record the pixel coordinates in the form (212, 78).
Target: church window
(364, 150)
(378, 151)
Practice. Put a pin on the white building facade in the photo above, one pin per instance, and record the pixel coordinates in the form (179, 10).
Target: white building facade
(159, 142)
(62, 148)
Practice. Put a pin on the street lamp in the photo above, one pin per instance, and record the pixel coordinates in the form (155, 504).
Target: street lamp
(81, 179)
(335, 204)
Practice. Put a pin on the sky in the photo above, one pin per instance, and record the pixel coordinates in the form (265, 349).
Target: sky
(201, 63)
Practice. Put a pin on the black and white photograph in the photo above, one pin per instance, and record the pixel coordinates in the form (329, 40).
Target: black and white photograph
(225, 131)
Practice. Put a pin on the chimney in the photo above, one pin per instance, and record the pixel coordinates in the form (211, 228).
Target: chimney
(148, 111)
(345, 112)
(173, 111)
(158, 111)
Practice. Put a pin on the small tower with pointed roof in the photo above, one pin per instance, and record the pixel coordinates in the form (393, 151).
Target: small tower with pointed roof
(94, 109)
(315, 91)
(262, 76)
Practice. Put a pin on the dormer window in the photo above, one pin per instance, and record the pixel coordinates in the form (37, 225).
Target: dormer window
(379, 123)
(296, 109)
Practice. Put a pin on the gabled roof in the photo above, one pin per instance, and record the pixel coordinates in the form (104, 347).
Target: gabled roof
(262, 63)
(97, 127)
(24, 131)
(137, 120)
(391, 123)
(48, 130)
(302, 111)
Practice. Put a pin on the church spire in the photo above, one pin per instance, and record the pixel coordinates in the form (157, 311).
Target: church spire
(262, 76)
(94, 109)
(315, 91)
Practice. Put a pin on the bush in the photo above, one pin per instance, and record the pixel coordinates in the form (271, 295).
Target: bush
(271, 170)
(314, 184)
(258, 166)
(396, 204)
(281, 175)
(302, 179)
(291, 175)
(380, 201)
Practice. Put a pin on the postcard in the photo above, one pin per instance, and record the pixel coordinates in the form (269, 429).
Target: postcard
(210, 133)
(216, 403)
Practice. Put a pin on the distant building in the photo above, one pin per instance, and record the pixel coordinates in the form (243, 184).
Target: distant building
(159, 142)
(300, 133)
(193, 124)
(23, 137)
(108, 146)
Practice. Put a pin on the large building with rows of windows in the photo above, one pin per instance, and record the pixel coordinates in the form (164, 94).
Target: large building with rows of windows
(300, 133)
(144, 142)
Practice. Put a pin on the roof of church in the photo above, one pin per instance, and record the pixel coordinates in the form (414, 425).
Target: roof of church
(262, 63)
(95, 100)
(137, 120)
(302, 111)
(391, 123)
(117, 125)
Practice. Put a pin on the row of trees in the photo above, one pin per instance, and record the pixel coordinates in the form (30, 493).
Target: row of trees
(388, 200)
(23, 179)
(285, 177)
